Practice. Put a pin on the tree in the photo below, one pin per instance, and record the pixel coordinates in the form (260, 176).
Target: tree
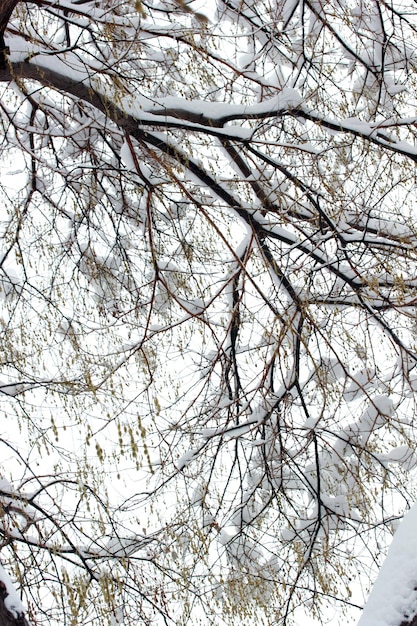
(208, 280)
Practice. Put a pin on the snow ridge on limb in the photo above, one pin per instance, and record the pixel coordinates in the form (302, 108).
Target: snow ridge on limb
(393, 597)
(12, 612)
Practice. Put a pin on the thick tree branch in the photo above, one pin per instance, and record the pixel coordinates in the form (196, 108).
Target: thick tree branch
(7, 618)
(6, 9)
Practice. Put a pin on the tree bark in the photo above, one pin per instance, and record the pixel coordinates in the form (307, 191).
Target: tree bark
(6, 10)
(412, 621)
(7, 618)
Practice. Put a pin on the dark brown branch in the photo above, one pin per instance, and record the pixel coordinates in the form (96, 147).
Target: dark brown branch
(7, 618)
(6, 10)
(208, 125)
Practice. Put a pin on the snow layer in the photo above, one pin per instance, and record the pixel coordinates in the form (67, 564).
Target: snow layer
(12, 601)
(393, 598)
